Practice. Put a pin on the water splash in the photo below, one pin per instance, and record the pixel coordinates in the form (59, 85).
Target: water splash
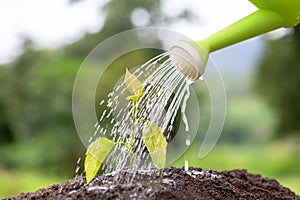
(165, 92)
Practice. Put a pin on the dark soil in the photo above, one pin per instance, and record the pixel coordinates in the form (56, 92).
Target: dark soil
(170, 183)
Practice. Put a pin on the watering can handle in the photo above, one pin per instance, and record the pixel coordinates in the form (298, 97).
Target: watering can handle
(257, 23)
(271, 15)
(288, 9)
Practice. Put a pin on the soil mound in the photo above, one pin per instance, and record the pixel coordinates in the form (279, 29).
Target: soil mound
(169, 183)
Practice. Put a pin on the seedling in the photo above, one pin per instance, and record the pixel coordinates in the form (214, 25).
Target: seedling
(152, 136)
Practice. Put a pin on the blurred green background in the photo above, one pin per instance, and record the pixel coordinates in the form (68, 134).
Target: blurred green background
(39, 144)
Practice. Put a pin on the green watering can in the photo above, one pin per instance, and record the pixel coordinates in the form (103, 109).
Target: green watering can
(190, 58)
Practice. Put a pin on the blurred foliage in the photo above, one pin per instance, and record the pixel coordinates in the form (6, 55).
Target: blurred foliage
(36, 105)
(277, 80)
(36, 125)
(28, 181)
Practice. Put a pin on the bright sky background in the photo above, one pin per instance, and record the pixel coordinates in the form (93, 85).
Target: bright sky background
(51, 23)
(213, 15)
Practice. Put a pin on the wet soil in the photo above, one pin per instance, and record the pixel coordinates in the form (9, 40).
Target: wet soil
(170, 183)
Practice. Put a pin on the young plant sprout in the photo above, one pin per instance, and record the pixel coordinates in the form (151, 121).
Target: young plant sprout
(152, 136)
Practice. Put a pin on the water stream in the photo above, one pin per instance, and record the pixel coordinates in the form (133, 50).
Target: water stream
(166, 93)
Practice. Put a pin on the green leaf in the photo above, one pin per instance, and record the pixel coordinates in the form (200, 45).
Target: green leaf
(96, 154)
(156, 144)
(134, 86)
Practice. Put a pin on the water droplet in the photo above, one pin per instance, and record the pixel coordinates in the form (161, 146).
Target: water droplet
(198, 172)
(73, 191)
(110, 94)
(186, 165)
(95, 133)
(118, 87)
(188, 142)
(103, 114)
(98, 127)
(77, 169)
(97, 188)
(101, 102)
(201, 78)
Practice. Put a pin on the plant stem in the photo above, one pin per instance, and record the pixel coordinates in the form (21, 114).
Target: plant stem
(133, 115)
(131, 139)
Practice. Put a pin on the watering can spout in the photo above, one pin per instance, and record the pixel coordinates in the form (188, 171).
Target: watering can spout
(271, 15)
